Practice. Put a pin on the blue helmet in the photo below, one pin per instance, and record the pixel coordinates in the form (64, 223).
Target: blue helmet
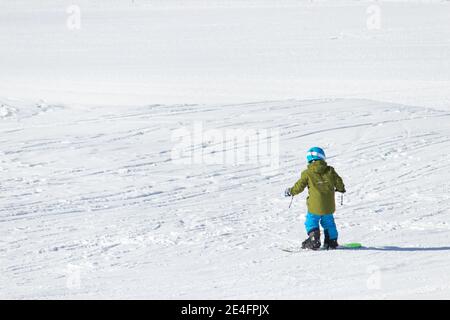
(315, 153)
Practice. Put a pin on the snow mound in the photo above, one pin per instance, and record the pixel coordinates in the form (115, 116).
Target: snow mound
(7, 111)
(22, 110)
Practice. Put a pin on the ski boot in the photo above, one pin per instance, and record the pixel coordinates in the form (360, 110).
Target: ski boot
(329, 244)
(313, 242)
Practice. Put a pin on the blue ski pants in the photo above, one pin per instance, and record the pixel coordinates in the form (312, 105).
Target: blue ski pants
(327, 221)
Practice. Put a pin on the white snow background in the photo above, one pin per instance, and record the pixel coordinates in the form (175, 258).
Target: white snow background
(93, 205)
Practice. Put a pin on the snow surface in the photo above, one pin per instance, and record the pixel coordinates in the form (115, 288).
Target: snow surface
(93, 205)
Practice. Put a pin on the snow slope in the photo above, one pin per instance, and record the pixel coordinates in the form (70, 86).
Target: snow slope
(97, 189)
(222, 51)
(94, 205)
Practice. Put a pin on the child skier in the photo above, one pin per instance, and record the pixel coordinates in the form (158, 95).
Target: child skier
(322, 182)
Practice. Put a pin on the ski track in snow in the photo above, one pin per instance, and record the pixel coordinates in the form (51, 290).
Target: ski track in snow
(96, 190)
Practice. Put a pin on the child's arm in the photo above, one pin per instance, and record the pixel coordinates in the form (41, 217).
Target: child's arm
(338, 182)
(300, 185)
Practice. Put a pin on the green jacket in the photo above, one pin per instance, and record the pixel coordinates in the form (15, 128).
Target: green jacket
(322, 181)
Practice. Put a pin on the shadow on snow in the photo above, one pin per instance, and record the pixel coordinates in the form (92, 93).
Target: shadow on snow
(393, 248)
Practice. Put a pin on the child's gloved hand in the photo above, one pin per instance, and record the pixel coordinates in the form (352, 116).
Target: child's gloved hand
(288, 193)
